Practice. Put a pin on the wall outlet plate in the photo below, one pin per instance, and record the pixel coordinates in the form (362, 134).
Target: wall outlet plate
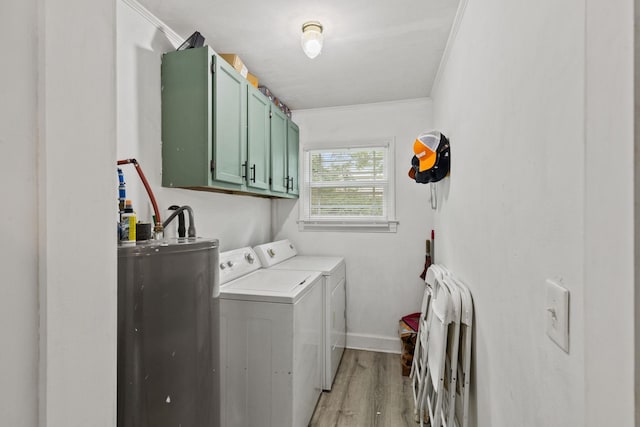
(557, 314)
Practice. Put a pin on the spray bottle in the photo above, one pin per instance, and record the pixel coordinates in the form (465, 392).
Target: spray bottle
(122, 196)
(128, 223)
(122, 190)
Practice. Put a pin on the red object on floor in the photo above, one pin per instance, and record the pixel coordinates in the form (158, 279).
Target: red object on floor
(412, 320)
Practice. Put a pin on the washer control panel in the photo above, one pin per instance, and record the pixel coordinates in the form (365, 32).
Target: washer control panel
(237, 263)
(274, 253)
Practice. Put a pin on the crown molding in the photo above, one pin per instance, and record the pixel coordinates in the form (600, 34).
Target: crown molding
(174, 37)
(452, 37)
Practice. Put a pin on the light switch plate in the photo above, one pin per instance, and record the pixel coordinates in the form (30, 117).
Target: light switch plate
(557, 314)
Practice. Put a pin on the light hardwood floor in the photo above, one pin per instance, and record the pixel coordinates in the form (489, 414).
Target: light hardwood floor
(369, 390)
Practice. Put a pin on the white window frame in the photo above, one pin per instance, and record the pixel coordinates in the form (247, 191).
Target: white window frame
(356, 224)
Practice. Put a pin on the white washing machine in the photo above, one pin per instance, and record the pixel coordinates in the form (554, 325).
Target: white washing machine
(270, 340)
(282, 255)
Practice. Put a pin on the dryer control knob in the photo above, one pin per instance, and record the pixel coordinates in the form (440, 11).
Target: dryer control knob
(230, 263)
(250, 259)
(223, 266)
(271, 252)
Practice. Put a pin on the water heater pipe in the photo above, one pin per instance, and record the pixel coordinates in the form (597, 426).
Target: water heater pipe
(192, 225)
(158, 228)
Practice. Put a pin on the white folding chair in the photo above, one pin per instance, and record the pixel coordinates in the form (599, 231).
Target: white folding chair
(464, 356)
(442, 314)
(419, 365)
(415, 365)
(451, 354)
(449, 406)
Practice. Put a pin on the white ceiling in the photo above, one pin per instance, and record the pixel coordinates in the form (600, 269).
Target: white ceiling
(374, 50)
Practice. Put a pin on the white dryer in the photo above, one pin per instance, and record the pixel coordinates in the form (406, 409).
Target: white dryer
(282, 255)
(270, 339)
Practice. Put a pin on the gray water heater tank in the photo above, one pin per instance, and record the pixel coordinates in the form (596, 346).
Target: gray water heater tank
(168, 334)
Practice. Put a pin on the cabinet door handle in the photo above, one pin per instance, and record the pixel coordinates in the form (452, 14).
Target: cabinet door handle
(244, 170)
(290, 187)
(253, 173)
(286, 180)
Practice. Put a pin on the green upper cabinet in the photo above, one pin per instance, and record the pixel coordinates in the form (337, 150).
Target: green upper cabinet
(285, 142)
(229, 123)
(220, 133)
(203, 121)
(279, 175)
(293, 145)
(186, 118)
(258, 139)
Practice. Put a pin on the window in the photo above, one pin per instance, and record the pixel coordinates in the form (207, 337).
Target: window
(349, 188)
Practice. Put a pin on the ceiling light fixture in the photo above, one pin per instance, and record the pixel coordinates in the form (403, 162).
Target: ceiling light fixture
(312, 38)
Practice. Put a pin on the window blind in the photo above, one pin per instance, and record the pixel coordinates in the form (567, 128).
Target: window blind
(347, 183)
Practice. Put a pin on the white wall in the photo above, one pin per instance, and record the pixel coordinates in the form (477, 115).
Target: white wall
(52, 130)
(77, 246)
(19, 225)
(636, 120)
(235, 220)
(382, 268)
(528, 199)
(609, 214)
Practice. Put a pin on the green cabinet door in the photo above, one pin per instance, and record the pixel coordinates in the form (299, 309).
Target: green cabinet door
(258, 139)
(293, 146)
(186, 113)
(279, 175)
(203, 121)
(229, 123)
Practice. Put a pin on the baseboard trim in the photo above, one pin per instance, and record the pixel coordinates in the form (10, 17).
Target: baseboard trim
(378, 343)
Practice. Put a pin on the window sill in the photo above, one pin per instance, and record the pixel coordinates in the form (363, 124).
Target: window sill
(348, 226)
